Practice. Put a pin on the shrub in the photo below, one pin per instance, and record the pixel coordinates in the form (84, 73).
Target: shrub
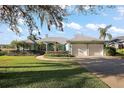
(2, 53)
(120, 51)
(58, 54)
(24, 53)
(110, 51)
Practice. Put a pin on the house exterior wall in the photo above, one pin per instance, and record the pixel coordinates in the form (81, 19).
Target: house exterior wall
(81, 50)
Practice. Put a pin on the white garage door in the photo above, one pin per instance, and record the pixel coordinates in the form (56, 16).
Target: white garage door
(95, 49)
(82, 52)
(79, 50)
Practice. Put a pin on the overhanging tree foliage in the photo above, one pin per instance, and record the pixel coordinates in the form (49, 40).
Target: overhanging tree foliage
(51, 14)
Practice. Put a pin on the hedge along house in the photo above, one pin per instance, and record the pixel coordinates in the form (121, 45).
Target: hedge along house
(55, 42)
(81, 46)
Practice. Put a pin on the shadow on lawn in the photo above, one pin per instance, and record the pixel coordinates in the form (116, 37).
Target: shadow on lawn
(41, 64)
(54, 65)
(16, 79)
(51, 63)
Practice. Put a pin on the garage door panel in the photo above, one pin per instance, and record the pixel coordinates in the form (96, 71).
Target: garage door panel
(82, 52)
(95, 50)
(79, 50)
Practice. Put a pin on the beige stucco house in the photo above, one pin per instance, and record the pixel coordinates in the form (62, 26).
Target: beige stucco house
(81, 46)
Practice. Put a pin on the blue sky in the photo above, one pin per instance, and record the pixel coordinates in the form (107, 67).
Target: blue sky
(76, 24)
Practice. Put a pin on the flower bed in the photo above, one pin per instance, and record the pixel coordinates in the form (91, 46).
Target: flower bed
(58, 54)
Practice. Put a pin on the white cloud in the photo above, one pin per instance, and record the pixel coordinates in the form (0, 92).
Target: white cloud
(74, 26)
(115, 29)
(94, 26)
(101, 25)
(117, 18)
(120, 11)
(112, 29)
(91, 26)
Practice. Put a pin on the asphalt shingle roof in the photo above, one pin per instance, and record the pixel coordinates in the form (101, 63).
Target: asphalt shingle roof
(60, 40)
(79, 37)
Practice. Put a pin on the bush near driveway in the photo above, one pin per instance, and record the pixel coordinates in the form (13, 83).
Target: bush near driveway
(22, 53)
(2, 53)
(120, 52)
(58, 54)
(110, 51)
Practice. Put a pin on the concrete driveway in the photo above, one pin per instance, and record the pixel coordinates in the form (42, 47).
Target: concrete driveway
(110, 70)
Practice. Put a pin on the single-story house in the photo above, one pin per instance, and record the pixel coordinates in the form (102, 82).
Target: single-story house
(81, 46)
(117, 42)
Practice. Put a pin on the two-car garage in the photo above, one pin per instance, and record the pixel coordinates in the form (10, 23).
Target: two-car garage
(81, 50)
(86, 46)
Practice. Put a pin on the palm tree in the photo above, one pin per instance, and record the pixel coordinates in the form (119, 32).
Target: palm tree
(103, 32)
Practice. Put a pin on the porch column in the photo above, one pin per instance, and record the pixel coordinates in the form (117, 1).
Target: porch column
(46, 47)
(55, 44)
(88, 54)
(70, 48)
(1, 47)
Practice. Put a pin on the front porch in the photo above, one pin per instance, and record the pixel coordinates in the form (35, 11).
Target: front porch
(54, 44)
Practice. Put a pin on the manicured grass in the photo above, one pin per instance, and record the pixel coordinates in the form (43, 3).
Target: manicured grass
(26, 71)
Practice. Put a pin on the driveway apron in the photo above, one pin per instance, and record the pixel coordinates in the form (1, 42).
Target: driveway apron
(109, 70)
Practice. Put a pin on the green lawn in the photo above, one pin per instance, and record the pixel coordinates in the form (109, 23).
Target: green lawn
(26, 71)
(120, 52)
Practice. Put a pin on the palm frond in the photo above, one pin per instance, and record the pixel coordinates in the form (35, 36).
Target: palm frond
(107, 27)
(109, 36)
(103, 33)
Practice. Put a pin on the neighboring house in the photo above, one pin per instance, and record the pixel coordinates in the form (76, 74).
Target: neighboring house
(6, 47)
(3, 46)
(81, 46)
(117, 42)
